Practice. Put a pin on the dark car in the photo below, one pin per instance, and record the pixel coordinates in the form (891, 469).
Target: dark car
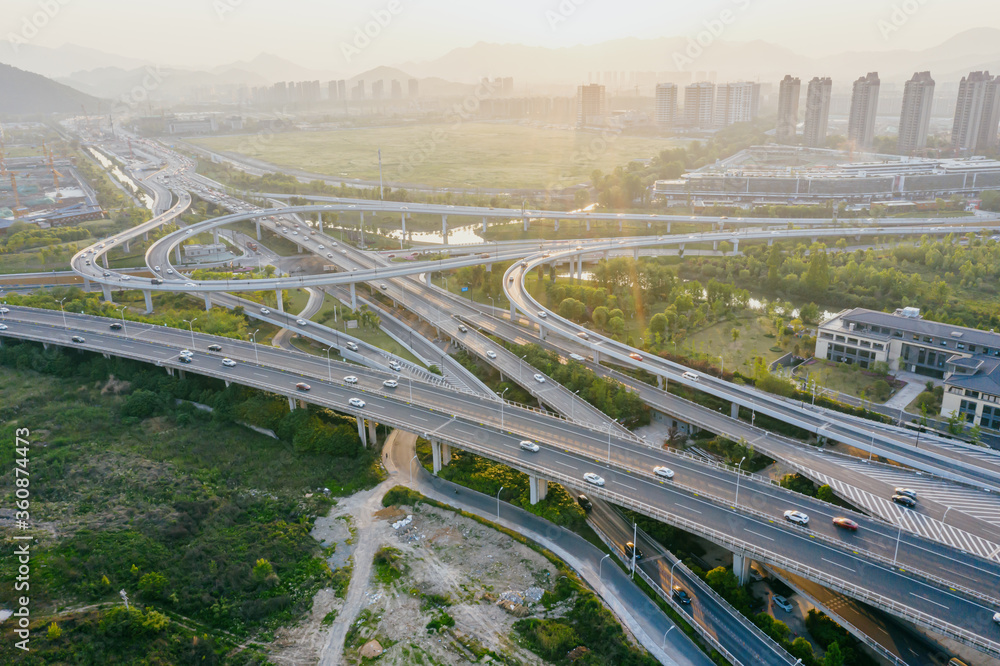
(78, 339)
(680, 595)
(585, 503)
(184, 359)
(904, 500)
(215, 348)
(630, 549)
(116, 327)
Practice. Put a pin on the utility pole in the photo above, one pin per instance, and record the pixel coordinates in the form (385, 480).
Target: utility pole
(381, 192)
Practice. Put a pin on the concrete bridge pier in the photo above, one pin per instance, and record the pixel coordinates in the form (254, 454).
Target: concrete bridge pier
(537, 489)
(668, 227)
(635, 253)
(484, 225)
(621, 223)
(661, 382)
(148, 295)
(361, 432)
(45, 346)
(440, 454)
(680, 253)
(181, 374)
(257, 222)
(279, 299)
(215, 236)
(354, 295)
(208, 301)
(86, 284)
(736, 246)
(588, 225)
(227, 383)
(145, 235)
(372, 433)
(513, 314)
(427, 278)
(291, 404)
(104, 258)
(177, 255)
(542, 335)
(444, 229)
(556, 228)
(127, 247)
(402, 222)
(734, 411)
(715, 246)
(606, 254)
(525, 221)
(107, 293)
(741, 567)
(770, 242)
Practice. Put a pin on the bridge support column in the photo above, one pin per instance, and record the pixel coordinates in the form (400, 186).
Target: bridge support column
(680, 253)
(148, 295)
(770, 242)
(734, 411)
(597, 356)
(86, 284)
(104, 258)
(736, 246)
(537, 489)
(427, 278)
(45, 346)
(635, 253)
(437, 455)
(541, 333)
(170, 371)
(606, 255)
(588, 225)
(403, 225)
(444, 229)
(279, 299)
(361, 432)
(145, 236)
(556, 228)
(661, 382)
(715, 246)
(257, 222)
(484, 225)
(127, 247)
(228, 383)
(177, 255)
(668, 227)
(208, 301)
(354, 295)
(300, 249)
(181, 374)
(372, 433)
(107, 293)
(741, 567)
(525, 221)
(215, 236)
(620, 223)
(513, 314)
(291, 404)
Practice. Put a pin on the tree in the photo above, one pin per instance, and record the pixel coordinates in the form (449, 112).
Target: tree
(600, 317)
(152, 585)
(802, 649)
(658, 324)
(269, 270)
(834, 655)
(825, 493)
(141, 404)
(809, 313)
(54, 632)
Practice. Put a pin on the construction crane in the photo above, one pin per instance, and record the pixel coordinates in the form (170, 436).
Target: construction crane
(52, 167)
(3, 161)
(17, 198)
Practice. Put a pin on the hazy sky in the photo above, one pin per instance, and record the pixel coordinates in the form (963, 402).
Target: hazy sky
(200, 33)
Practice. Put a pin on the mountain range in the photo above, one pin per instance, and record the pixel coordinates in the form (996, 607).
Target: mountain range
(27, 93)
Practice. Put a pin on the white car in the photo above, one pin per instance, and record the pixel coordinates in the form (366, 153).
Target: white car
(390, 383)
(797, 517)
(351, 379)
(543, 314)
(491, 354)
(4, 310)
(528, 445)
(322, 247)
(190, 284)
(394, 365)
(170, 271)
(782, 603)
(912, 494)
(590, 477)
(229, 363)
(126, 277)
(156, 268)
(352, 346)
(539, 378)
(188, 231)
(301, 322)
(265, 311)
(996, 617)
(357, 402)
(665, 472)
(690, 375)
(186, 352)
(3, 327)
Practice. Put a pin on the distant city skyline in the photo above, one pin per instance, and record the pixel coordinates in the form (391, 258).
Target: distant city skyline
(207, 33)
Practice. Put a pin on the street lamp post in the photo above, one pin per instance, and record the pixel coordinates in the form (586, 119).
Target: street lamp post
(722, 367)
(191, 327)
(498, 502)
(63, 314)
(253, 339)
(121, 311)
(520, 366)
(945, 516)
(329, 365)
(899, 536)
(600, 568)
(871, 447)
(501, 406)
(739, 473)
(672, 575)
(572, 413)
(411, 468)
(667, 632)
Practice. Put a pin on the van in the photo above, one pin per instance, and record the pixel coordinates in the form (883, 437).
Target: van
(583, 335)
(156, 281)
(577, 358)
(352, 346)
(690, 375)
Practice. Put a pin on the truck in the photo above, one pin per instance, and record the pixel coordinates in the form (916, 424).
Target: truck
(251, 246)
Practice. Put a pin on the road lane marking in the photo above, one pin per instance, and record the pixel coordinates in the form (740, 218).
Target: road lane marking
(838, 565)
(762, 536)
(914, 594)
(681, 506)
(625, 486)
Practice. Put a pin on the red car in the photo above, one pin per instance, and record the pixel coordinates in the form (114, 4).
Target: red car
(302, 386)
(635, 357)
(846, 523)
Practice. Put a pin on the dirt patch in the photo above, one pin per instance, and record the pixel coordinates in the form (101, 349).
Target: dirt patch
(115, 386)
(391, 513)
(454, 571)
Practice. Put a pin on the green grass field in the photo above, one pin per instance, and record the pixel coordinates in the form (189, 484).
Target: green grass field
(467, 155)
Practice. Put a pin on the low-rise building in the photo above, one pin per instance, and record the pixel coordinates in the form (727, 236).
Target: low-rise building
(967, 359)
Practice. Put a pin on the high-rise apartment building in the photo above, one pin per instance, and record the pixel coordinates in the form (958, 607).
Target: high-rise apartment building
(666, 104)
(788, 108)
(591, 105)
(397, 89)
(864, 106)
(414, 88)
(736, 103)
(817, 114)
(977, 113)
(915, 116)
(698, 103)
(342, 89)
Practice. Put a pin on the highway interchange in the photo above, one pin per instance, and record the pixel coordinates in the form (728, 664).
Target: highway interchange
(571, 446)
